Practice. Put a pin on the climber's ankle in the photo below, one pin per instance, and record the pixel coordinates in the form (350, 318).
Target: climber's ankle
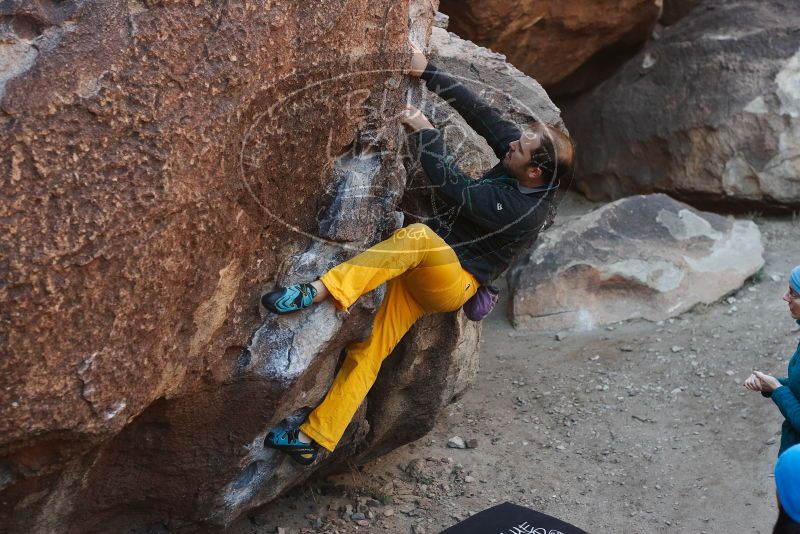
(305, 438)
(322, 291)
(290, 442)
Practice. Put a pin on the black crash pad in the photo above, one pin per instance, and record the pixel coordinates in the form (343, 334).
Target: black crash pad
(510, 518)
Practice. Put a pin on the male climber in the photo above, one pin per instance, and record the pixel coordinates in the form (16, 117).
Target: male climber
(431, 270)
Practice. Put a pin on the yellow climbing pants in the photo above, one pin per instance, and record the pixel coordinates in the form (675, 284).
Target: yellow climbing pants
(423, 275)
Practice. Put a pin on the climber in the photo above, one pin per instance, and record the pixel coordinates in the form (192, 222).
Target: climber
(428, 269)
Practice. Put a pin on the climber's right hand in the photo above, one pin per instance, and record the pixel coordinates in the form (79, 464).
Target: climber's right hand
(418, 60)
(413, 119)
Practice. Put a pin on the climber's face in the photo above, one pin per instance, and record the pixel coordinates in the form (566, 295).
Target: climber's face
(517, 161)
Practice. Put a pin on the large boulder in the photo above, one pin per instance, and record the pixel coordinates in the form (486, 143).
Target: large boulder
(709, 112)
(164, 164)
(167, 162)
(645, 257)
(551, 39)
(494, 78)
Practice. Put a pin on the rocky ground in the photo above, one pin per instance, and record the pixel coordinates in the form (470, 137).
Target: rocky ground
(637, 427)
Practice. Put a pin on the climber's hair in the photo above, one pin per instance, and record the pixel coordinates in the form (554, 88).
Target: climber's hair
(555, 156)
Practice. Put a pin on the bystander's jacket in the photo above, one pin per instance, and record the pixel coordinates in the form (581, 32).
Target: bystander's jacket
(787, 400)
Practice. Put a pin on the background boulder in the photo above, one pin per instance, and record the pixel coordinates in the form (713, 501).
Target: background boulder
(709, 112)
(550, 40)
(645, 257)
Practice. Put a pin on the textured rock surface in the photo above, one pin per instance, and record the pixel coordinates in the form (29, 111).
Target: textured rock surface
(709, 112)
(164, 164)
(640, 257)
(499, 82)
(675, 10)
(550, 40)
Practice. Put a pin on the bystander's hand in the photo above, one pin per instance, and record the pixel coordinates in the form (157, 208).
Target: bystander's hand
(752, 383)
(768, 383)
(413, 119)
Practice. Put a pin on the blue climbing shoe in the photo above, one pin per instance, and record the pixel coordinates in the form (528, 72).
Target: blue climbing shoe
(289, 299)
(288, 442)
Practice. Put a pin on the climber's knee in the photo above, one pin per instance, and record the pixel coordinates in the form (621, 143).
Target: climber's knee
(417, 232)
(419, 229)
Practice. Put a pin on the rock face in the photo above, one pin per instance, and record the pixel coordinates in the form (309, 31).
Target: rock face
(550, 40)
(709, 112)
(165, 164)
(645, 257)
(487, 73)
(675, 10)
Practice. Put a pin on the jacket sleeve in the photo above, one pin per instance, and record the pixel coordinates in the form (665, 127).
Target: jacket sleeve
(768, 394)
(788, 405)
(481, 117)
(488, 205)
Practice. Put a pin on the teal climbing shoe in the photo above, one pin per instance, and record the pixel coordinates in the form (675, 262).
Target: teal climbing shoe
(288, 442)
(289, 299)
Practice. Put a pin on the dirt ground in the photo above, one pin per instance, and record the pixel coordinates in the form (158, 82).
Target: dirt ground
(637, 427)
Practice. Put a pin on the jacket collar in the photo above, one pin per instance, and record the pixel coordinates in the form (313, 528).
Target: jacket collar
(529, 190)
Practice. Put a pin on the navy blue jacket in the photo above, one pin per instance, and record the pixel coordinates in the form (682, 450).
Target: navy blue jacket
(495, 216)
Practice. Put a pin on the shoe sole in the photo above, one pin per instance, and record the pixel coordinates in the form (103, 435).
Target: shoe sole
(300, 459)
(303, 456)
